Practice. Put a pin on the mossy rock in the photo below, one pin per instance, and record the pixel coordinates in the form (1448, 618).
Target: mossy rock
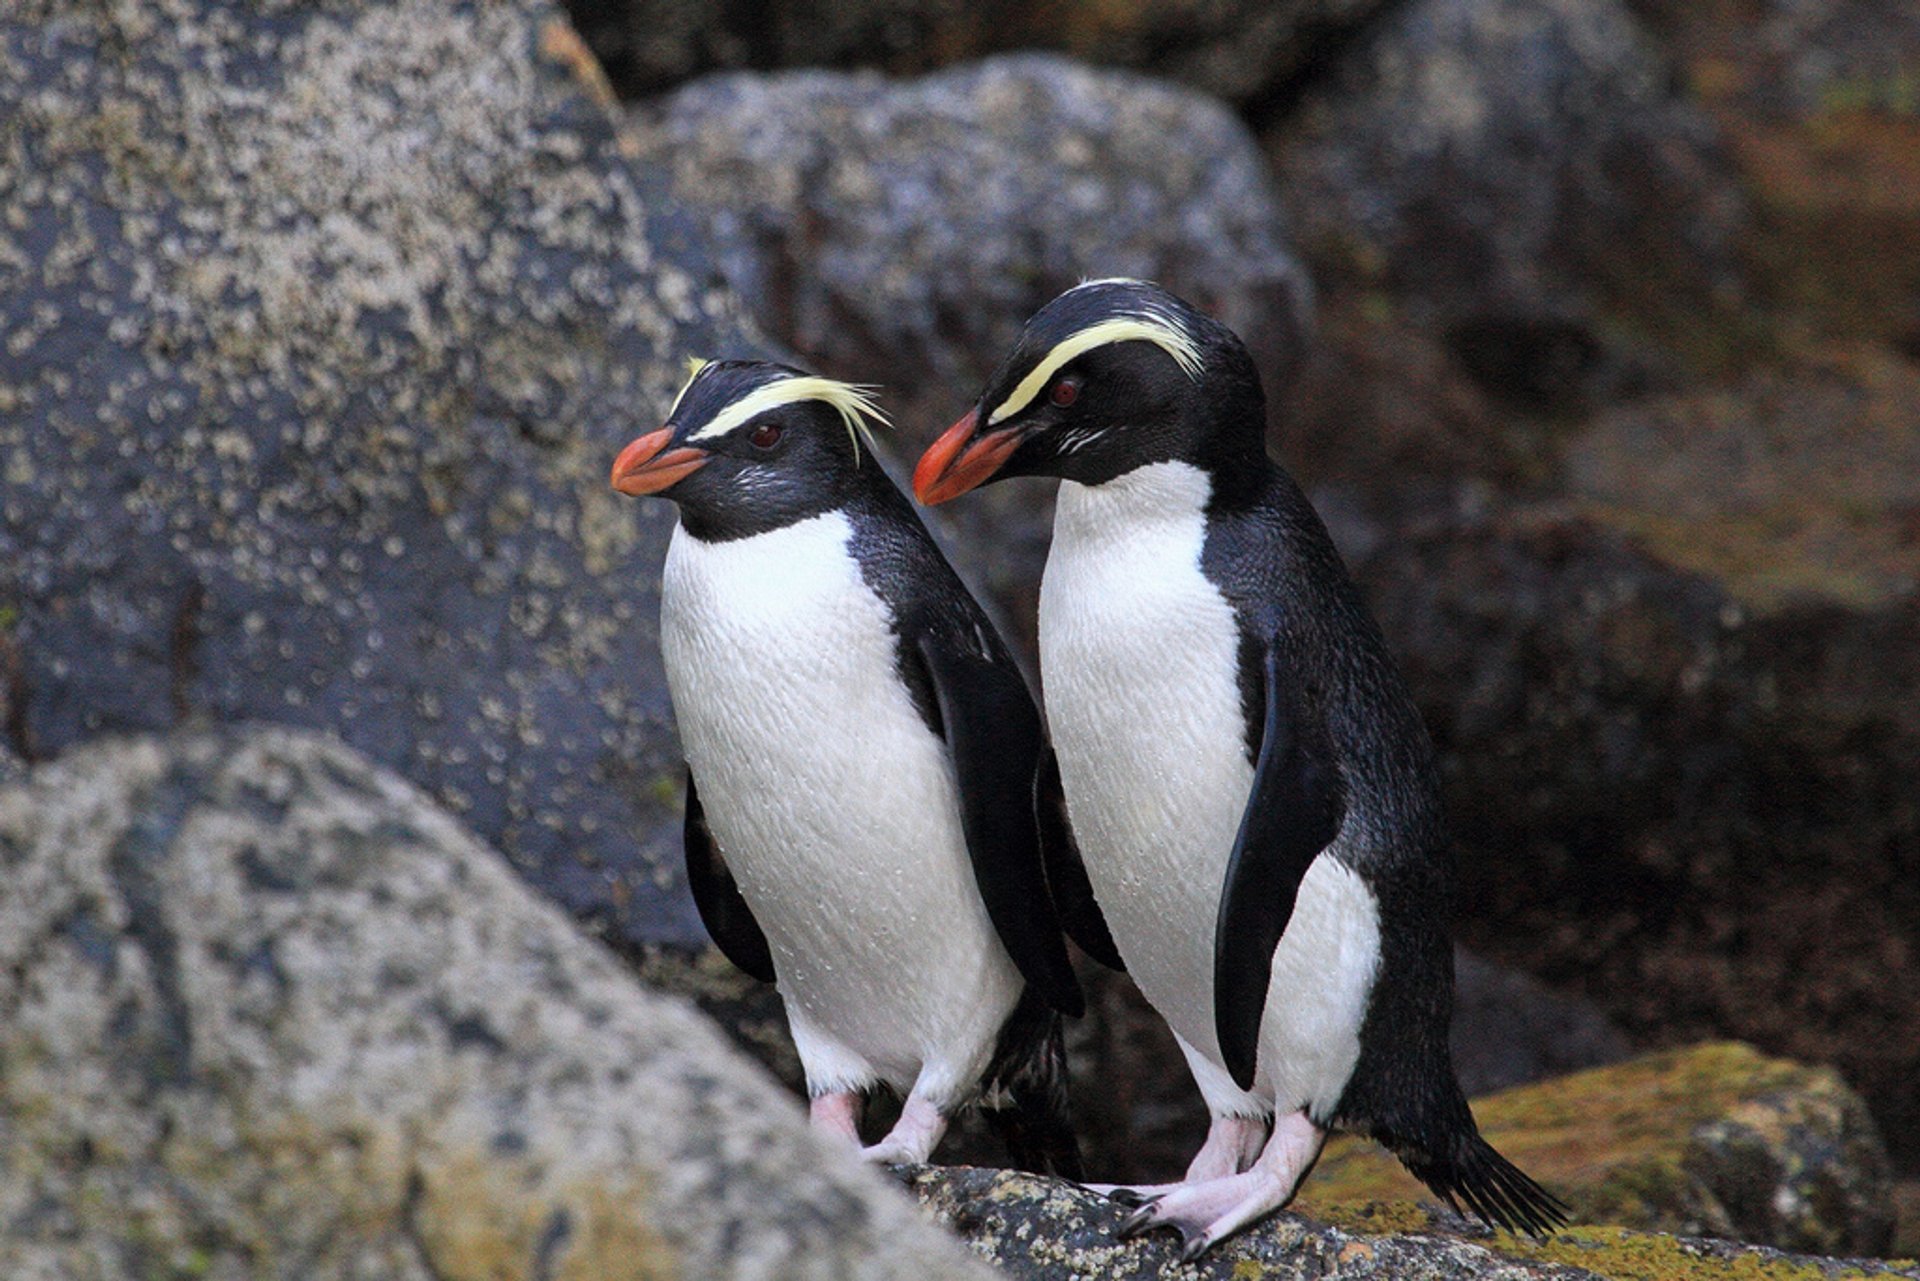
(1717, 1140)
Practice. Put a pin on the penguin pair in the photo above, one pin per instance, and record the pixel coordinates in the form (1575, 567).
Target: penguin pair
(1238, 762)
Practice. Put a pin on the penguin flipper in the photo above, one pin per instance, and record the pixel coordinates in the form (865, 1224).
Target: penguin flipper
(722, 908)
(1067, 883)
(1293, 812)
(993, 732)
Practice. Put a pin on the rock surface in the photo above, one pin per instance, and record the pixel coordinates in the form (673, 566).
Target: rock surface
(1712, 1141)
(322, 325)
(1040, 1229)
(267, 1012)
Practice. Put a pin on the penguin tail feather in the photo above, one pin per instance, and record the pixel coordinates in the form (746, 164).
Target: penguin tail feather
(1025, 1092)
(1491, 1186)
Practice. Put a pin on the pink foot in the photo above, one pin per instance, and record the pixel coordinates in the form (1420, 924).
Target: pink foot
(1209, 1212)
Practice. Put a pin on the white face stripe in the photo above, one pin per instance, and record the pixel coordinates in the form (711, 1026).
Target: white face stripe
(1140, 326)
(855, 405)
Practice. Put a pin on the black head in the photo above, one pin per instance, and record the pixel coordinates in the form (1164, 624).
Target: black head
(752, 446)
(1110, 376)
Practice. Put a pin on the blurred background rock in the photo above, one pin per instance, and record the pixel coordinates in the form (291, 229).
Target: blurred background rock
(1592, 328)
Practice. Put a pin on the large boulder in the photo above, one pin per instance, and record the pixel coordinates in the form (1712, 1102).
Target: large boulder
(268, 1012)
(322, 325)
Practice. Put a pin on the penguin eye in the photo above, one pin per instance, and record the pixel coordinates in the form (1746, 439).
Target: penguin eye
(765, 436)
(1065, 391)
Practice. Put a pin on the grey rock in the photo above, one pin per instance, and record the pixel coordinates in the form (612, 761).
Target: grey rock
(1516, 171)
(266, 1011)
(1243, 50)
(323, 324)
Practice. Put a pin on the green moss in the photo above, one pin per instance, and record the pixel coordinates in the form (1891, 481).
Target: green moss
(1624, 1255)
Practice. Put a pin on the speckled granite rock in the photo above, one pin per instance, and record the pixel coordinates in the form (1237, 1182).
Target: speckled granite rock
(322, 323)
(1245, 50)
(1521, 171)
(267, 1012)
(1042, 1230)
(1712, 1141)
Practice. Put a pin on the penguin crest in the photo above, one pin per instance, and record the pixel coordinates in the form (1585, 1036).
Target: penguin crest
(1140, 321)
(733, 406)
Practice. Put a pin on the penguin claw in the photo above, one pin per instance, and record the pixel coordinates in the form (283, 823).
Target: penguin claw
(1139, 1222)
(1126, 1196)
(1194, 1244)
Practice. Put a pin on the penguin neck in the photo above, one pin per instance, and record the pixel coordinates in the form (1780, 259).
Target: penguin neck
(1164, 493)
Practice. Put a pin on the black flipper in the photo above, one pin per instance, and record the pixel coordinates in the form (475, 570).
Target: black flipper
(993, 732)
(1067, 883)
(722, 909)
(1293, 812)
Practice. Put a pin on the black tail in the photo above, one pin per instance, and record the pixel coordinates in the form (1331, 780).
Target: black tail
(1025, 1091)
(1492, 1186)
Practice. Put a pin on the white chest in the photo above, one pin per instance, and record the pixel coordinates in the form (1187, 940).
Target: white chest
(1139, 655)
(834, 804)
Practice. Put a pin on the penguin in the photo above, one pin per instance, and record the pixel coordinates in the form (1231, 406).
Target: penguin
(860, 751)
(1252, 790)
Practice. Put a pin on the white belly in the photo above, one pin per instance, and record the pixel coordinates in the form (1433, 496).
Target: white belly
(1139, 655)
(832, 802)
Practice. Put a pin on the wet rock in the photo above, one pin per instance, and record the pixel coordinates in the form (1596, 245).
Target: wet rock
(1043, 1230)
(322, 325)
(1239, 49)
(1520, 172)
(1711, 1141)
(266, 1011)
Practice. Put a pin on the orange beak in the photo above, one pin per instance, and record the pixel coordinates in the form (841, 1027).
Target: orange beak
(642, 468)
(958, 461)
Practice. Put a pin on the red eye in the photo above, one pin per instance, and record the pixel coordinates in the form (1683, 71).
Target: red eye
(1065, 392)
(765, 436)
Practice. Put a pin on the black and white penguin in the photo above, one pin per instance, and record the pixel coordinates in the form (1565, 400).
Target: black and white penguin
(1252, 790)
(860, 750)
